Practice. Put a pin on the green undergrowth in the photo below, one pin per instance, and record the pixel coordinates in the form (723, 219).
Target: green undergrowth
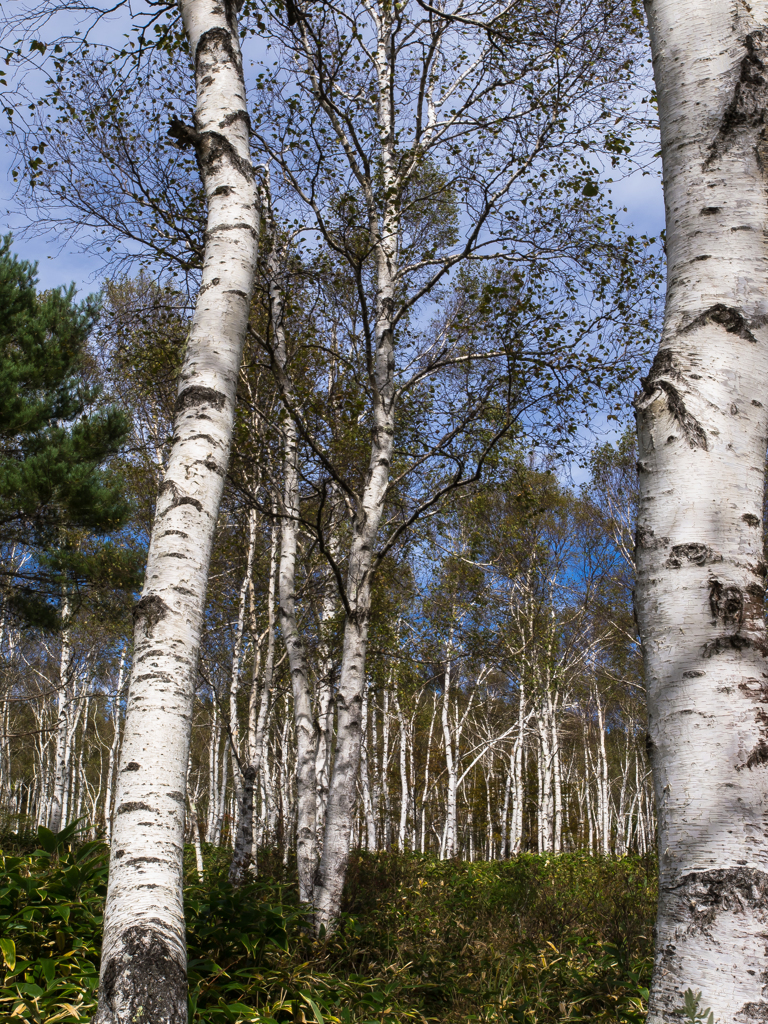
(532, 940)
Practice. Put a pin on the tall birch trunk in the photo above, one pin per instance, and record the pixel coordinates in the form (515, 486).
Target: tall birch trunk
(404, 787)
(143, 965)
(244, 854)
(370, 820)
(114, 747)
(57, 813)
(306, 726)
(702, 427)
(448, 847)
(242, 775)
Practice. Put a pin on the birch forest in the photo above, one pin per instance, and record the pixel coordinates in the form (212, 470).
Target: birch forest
(502, 709)
(358, 561)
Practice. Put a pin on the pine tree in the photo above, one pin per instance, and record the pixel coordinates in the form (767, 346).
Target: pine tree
(59, 498)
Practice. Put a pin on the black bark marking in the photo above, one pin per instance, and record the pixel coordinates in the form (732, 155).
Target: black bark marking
(238, 226)
(758, 755)
(747, 108)
(736, 642)
(692, 675)
(213, 467)
(223, 190)
(178, 498)
(726, 604)
(708, 211)
(209, 39)
(648, 541)
(195, 395)
(695, 554)
(132, 766)
(752, 1012)
(663, 368)
(236, 115)
(133, 805)
(726, 316)
(145, 978)
(150, 610)
(750, 519)
(215, 147)
(701, 895)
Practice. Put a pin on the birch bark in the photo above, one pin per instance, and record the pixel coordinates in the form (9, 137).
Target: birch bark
(306, 726)
(143, 966)
(448, 848)
(700, 581)
(64, 736)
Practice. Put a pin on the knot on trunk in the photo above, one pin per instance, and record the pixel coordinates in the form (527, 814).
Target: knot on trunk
(666, 378)
(746, 112)
(150, 610)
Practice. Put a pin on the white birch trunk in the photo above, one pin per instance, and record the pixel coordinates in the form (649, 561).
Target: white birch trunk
(700, 581)
(383, 233)
(240, 783)
(370, 820)
(448, 847)
(143, 965)
(404, 787)
(245, 849)
(306, 727)
(57, 812)
(425, 791)
(384, 773)
(122, 682)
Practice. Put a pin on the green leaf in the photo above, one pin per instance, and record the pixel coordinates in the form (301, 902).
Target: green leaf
(315, 1008)
(590, 189)
(8, 949)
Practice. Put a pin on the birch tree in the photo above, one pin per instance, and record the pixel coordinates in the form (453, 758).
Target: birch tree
(143, 968)
(422, 168)
(700, 565)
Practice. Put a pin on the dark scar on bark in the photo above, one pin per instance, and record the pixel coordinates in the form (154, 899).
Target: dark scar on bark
(752, 1012)
(750, 519)
(734, 642)
(150, 610)
(648, 541)
(657, 380)
(135, 805)
(758, 755)
(746, 110)
(210, 38)
(132, 766)
(726, 603)
(196, 395)
(695, 554)
(145, 978)
(178, 498)
(696, 900)
(725, 316)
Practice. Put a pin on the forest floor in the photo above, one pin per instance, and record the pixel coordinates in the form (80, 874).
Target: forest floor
(532, 940)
